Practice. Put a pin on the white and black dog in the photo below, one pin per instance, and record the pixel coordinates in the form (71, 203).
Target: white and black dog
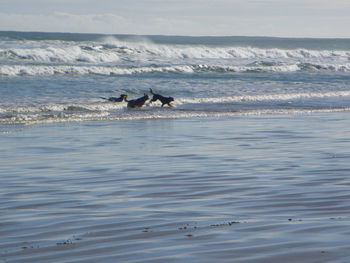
(163, 100)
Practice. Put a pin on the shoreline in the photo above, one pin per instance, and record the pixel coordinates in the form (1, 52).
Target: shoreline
(166, 115)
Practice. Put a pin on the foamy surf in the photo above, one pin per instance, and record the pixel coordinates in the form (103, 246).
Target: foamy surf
(92, 110)
(43, 70)
(110, 56)
(61, 51)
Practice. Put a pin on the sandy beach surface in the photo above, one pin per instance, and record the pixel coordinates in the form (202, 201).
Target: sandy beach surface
(264, 188)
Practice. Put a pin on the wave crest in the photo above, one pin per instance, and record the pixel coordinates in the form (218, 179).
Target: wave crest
(112, 50)
(37, 70)
(71, 54)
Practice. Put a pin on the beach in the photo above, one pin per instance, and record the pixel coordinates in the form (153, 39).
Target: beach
(249, 163)
(245, 188)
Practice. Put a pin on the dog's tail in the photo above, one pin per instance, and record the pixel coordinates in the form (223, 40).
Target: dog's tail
(103, 98)
(151, 91)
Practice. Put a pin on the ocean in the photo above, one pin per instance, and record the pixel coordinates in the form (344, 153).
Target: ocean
(48, 77)
(250, 164)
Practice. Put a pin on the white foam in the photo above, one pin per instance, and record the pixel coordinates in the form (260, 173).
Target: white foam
(112, 50)
(67, 107)
(248, 68)
(183, 108)
(265, 97)
(37, 70)
(34, 70)
(146, 47)
(105, 116)
(61, 54)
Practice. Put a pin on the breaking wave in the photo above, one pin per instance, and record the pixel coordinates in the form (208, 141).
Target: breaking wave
(72, 54)
(112, 50)
(36, 70)
(111, 56)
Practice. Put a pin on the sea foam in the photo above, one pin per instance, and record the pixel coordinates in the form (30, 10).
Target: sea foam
(113, 50)
(36, 70)
(98, 109)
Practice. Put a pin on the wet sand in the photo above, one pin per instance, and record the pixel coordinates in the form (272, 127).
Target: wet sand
(269, 188)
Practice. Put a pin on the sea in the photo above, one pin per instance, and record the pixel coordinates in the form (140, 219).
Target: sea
(58, 77)
(250, 164)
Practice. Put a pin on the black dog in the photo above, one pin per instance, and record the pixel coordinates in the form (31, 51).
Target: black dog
(138, 103)
(122, 98)
(163, 100)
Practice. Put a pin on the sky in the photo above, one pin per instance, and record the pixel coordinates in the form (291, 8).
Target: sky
(279, 18)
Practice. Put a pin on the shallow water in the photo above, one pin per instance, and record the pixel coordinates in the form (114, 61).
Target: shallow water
(263, 188)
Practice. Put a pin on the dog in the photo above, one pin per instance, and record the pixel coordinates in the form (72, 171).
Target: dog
(138, 103)
(163, 100)
(122, 98)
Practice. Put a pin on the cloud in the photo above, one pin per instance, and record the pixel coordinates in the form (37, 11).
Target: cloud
(64, 22)
(288, 18)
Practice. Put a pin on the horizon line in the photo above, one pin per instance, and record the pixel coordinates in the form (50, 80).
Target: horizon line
(170, 35)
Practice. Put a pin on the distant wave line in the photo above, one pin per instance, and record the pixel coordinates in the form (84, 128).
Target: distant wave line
(37, 70)
(114, 50)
